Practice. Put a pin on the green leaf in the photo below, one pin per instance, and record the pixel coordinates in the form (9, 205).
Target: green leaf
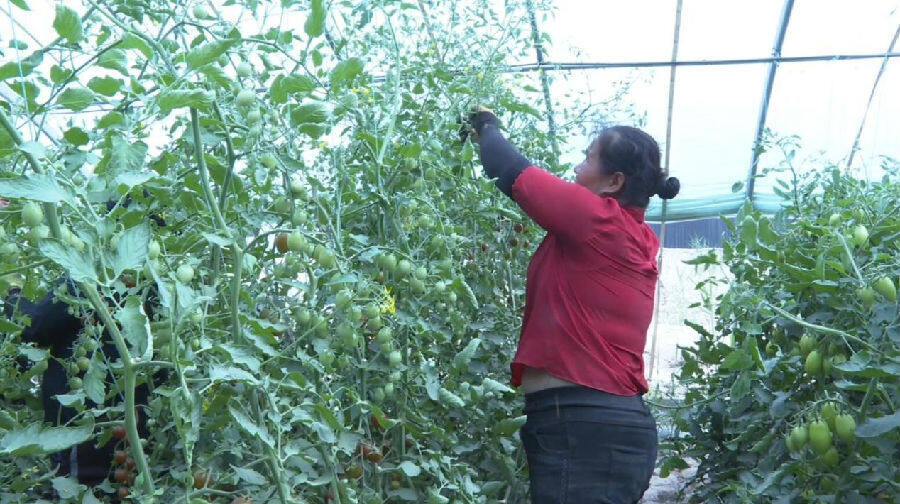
(249, 475)
(875, 427)
(67, 24)
(125, 157)
(32, 440)
(221, 372)
(36, 187)
(77, 264)
(67, 487)
(22, 67)
(737, 360)
(409, 468)
(216, 75)
(20, 4)
(110, 119)
(462, 358)
(250, 427)
(76, 98)
(107, 86)
(285, 85)
(346, 71)
(76, 136)
(59, 74)
(509, 426)
(131, 41)
(169, 99)
(311, 112)
(315, 23)
(94, 385)
(209, 52)
(136, 327)
(131, 251)
(114, 59)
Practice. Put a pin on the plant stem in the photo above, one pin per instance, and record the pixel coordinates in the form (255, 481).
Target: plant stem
(128, 368)
(818, 328)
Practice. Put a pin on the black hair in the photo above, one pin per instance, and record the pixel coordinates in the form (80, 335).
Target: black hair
(635, 154)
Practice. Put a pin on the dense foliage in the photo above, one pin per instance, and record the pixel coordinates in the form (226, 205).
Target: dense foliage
(792, 397)
(339, 289)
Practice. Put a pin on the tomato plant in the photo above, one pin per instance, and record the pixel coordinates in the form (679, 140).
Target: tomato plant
(792, 397)
(312, 169)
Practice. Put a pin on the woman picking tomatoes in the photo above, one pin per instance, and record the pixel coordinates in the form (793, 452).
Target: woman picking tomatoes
(589, 297)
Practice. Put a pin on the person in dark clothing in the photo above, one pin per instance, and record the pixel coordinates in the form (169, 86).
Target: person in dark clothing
(589, 437)
(54, 328)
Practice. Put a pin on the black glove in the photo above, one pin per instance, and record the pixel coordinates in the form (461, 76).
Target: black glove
(478, 118)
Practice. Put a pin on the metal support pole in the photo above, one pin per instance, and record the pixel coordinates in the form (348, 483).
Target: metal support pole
(871, 96)
(767, 94)
(545, 81)
(662, 233)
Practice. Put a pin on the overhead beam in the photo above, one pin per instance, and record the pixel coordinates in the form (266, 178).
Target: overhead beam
(550, 66)
(767, 93)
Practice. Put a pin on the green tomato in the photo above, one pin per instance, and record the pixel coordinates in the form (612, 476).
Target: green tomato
(254, 116)
(403, 268)
(384, 335)
(343, 299)
(83, 363)
(421, 273)
(32, 215)
(371, 310)
(885, 286)
(379, 394)
(327, 259)
(829, 412)
(819, 436)
(866, 296)
(395, 358)
(799, 436)
(75, 383)
(860, 235)
(389, 389)
(185, 273)
(269, 160)
(153, 250)
(298, 190)
(326, 357)
(302, 316)
(245, 98)
(813, 364)
(296, 242)
(831, 457)
(807, 343)
(835, 219)
(244, 69)
(417, 286)
(845, 427)
(374, 323)
(199, 11)
(299, 218)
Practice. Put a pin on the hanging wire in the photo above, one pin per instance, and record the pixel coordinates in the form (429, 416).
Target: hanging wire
(654, 361)
(862, 124)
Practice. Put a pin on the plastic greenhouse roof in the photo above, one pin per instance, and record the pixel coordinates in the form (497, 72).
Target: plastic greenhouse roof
(716, 107)
(717, 101)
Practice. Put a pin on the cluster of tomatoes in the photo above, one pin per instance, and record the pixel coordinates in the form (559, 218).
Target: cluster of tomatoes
(124, 465)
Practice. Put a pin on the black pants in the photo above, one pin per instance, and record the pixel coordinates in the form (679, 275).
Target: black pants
(585, 446)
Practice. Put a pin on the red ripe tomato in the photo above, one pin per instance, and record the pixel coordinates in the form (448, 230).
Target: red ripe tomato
(120, 456)
(119, 432)
(120, 475)
(123, 492)
(129, 463)
(281, 243)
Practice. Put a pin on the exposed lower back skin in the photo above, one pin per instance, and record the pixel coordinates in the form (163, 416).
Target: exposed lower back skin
(534, 379)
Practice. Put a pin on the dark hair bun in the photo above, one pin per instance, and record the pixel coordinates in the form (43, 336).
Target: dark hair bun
(668, 187)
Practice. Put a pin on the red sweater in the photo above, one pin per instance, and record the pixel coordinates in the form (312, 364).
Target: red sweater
(590, 286)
